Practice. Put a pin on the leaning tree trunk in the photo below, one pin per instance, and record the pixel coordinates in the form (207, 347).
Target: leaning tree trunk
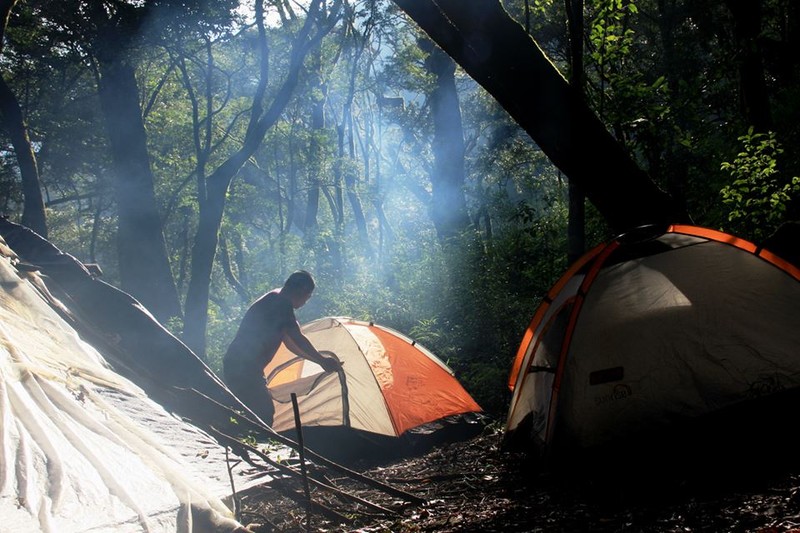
(502, 57)
(143, 260)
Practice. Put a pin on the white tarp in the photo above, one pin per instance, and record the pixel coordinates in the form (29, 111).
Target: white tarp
(83, 449)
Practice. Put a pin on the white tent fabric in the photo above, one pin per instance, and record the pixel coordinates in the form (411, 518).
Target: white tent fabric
(368, 410)
(78, 449)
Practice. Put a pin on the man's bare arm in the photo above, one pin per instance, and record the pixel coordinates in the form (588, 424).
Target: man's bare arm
(300, 345)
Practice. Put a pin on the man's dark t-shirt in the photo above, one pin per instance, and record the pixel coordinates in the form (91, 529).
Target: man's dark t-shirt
(259, 336)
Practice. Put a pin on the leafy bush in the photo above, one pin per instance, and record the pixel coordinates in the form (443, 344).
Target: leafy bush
(759, 194)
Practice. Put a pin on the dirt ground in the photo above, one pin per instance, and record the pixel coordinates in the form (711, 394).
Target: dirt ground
(475, 485)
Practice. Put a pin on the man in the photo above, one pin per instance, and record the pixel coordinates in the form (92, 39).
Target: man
(269, 321)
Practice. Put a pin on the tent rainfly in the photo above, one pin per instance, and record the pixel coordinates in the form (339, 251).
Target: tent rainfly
(387, 386)
(655, 331)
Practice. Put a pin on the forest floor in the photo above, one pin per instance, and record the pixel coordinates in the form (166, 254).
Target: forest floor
(475, 485)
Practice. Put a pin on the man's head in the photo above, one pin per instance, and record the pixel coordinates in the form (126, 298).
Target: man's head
(298, 288)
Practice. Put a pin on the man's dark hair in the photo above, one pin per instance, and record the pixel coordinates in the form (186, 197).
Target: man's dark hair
(300, 282)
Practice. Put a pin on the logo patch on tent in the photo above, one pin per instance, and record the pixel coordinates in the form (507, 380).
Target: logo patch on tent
(619, 392)
(606, 375)
(766, 384)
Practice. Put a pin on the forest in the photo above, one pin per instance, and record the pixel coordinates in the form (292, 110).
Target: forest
(415, 160)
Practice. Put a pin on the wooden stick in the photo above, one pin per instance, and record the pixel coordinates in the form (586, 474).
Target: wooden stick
(301, 451)
(290, 471)
(319, 459)
(319, 507)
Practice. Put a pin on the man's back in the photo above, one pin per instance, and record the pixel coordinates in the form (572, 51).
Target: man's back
(260, 333)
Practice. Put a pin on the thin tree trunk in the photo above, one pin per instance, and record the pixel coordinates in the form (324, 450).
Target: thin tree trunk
(217, 184)
(319, 89)
(346, 136)
(753, 96)
(96, 225)
(312, 207)
(292, 192)
(143, 260)
(244, 279)
(576, 223)
(350, 183)
(448, 206)
(230, 275)
(386, 234)
(33, 214)
(338, 179)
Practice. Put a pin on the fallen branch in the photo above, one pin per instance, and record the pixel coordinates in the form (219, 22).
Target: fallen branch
(317, 507)
(292, 472)
(318, 459)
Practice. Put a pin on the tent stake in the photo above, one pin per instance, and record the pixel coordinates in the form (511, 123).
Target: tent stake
(301, 451)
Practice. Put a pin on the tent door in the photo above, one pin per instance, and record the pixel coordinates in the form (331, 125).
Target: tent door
(305, 386)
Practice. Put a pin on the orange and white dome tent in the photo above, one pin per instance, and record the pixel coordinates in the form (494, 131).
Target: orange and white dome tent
(646, 333)
(388, 383)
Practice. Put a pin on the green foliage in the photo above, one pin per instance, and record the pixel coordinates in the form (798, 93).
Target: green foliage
(758, 195)
(610, 34)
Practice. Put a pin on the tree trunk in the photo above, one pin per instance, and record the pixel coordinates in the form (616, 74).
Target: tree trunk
(318, 90)
(576, 223)
(143, 261)
(217, 184)
(350, 177)
(499, 55)
(752, 86)
(33, 215)
(230, 275)
(675, 157)
(350, 182)
(448, 206)
(204, 249)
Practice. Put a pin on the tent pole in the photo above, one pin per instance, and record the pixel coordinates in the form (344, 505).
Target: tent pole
(301, 451)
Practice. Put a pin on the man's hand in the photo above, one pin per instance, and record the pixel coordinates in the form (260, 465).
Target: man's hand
(329, 364)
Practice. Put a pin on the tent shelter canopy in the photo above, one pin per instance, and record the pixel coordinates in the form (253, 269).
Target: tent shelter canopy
(388, 383)
(654, 332)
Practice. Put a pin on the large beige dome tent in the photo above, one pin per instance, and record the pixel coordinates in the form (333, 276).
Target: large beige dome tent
(648, 333)
(389, 385)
